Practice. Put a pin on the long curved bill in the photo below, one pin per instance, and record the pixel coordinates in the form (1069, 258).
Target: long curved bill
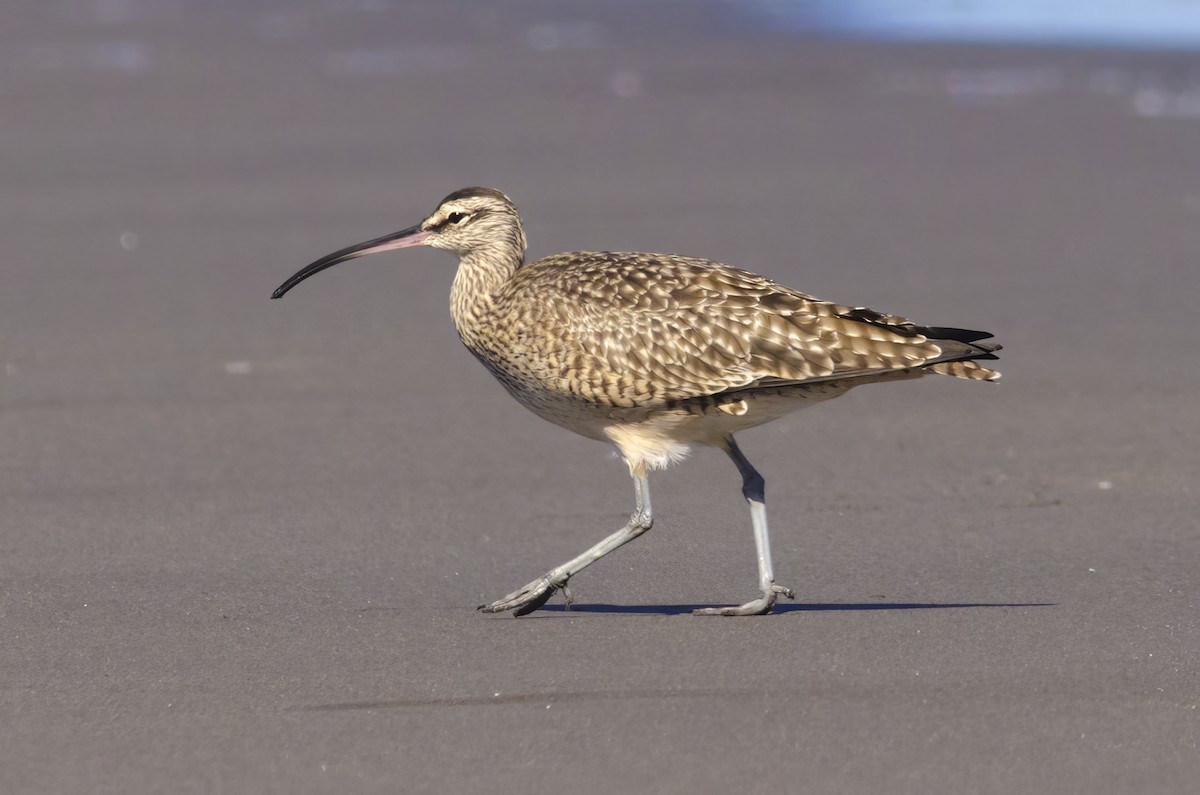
(413, 236)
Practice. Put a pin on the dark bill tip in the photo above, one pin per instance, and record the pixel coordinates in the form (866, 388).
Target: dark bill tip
(413, 236)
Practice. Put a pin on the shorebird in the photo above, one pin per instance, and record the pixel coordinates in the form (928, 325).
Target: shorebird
(657, 353)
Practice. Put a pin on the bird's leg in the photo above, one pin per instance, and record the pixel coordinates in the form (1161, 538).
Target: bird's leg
(754, 489)
(537, 593)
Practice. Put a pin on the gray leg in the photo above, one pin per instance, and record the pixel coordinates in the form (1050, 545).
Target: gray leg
(754, 489)
(535, 594)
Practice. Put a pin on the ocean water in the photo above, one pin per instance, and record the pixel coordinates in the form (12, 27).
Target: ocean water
(1147, 24)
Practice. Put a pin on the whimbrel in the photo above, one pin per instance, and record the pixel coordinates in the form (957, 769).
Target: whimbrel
(656, 353)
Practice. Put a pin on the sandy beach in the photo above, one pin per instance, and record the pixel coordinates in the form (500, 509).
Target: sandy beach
(242, 541)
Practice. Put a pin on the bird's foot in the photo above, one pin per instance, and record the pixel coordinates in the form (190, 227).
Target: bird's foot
(532, 596)
(758, 607)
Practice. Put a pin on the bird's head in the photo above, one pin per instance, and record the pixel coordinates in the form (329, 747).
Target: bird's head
(466, 222)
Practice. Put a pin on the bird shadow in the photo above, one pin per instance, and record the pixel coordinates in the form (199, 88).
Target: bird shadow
(810, 607)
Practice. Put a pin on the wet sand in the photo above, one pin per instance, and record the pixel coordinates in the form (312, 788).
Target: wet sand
(242, 541)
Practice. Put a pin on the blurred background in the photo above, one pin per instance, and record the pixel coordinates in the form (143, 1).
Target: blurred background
(241, 541)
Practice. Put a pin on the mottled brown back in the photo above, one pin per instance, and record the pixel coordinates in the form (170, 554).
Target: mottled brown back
(624, 329)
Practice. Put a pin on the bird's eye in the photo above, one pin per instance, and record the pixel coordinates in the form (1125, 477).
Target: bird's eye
(456, 218)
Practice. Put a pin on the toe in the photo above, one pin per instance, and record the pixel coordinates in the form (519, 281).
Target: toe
(525, 600)
(534, 603)
(758, 607)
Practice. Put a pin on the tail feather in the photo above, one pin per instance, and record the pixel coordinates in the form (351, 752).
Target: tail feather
(961, 347)
(965, 369)
(962, 354)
